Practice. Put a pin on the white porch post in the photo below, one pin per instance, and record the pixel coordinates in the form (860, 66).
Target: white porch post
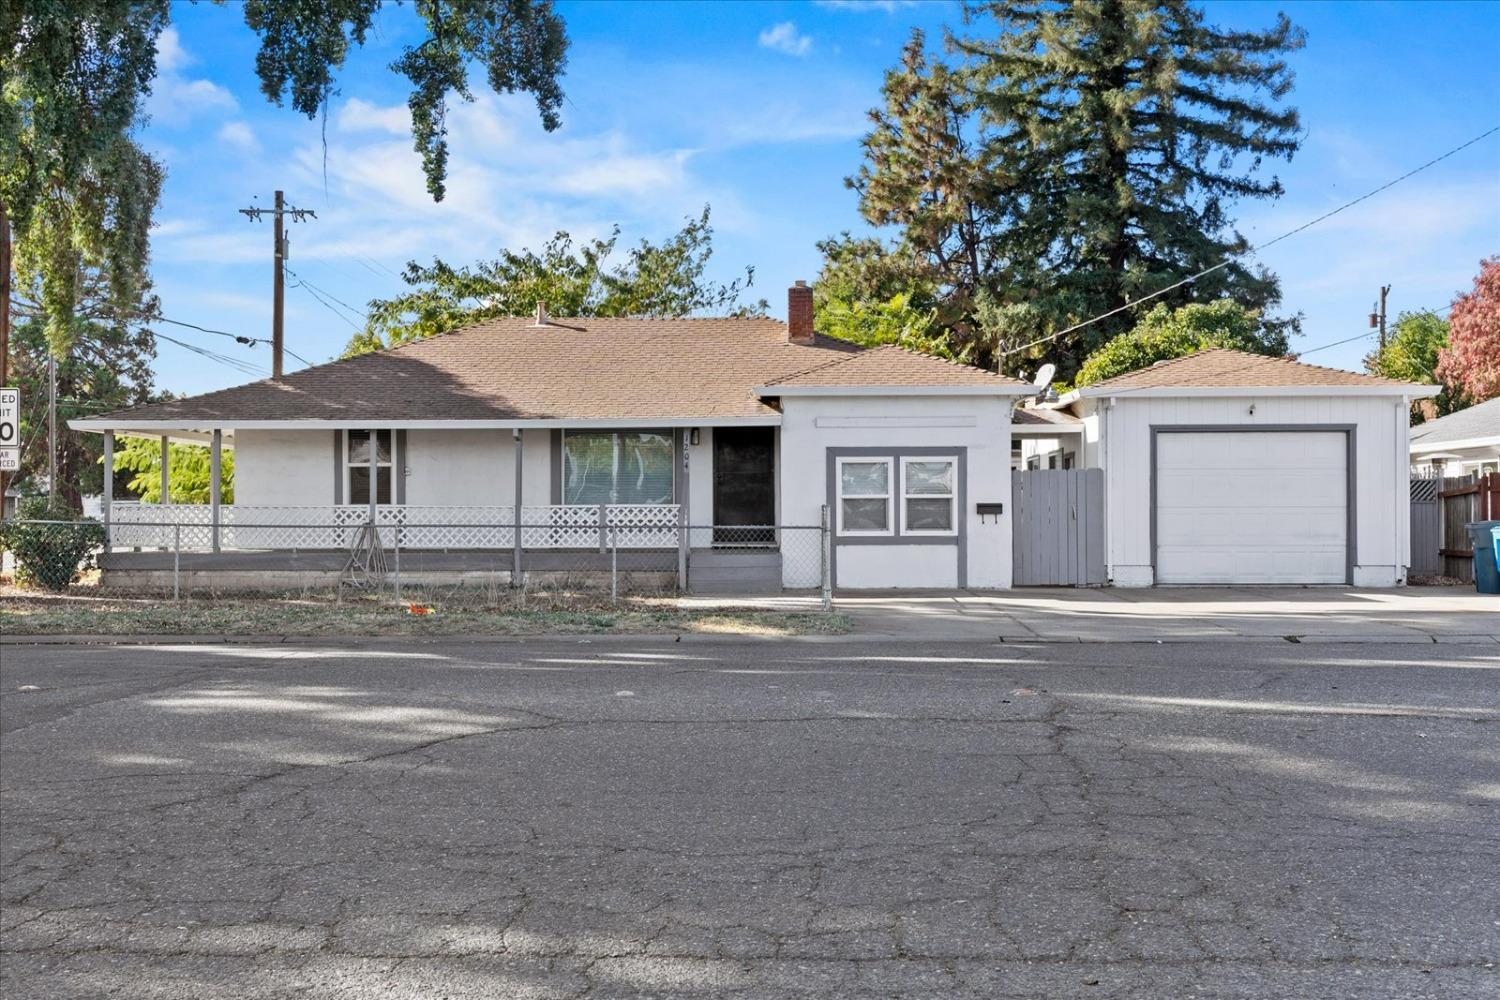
(109, 482)
(515, 556)
(215, 482)
(166, 475)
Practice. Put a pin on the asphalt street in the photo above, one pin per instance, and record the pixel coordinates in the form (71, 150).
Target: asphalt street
(650, 818)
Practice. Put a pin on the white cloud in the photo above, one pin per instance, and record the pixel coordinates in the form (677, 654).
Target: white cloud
(785, 37)
(886, 6)
(175, 99)
(239, 135)
(362, 116)
(170, 55)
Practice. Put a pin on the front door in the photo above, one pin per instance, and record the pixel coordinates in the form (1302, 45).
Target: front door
(744, 482)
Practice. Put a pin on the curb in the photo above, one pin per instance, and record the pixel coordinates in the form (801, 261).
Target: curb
(695, 638)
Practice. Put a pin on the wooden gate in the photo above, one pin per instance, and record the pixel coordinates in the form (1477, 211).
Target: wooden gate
(1059, 527)
(1426, 527)
(1464, 500)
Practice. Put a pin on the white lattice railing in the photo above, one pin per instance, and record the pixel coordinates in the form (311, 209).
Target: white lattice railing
(633, 526)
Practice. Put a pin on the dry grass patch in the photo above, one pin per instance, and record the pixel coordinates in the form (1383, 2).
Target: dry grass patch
(86, 610)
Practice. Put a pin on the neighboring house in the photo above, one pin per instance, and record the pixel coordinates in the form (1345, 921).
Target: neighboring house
(1459, 444)
(726, 440)
(655, 423)
(1230, 467)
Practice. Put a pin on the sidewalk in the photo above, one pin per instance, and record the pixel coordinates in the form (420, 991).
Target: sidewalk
(1181, 614)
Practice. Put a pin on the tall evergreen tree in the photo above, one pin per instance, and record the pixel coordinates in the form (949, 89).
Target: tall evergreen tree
(1098, 146)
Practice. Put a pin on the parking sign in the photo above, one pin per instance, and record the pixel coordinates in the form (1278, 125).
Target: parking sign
(10, 430)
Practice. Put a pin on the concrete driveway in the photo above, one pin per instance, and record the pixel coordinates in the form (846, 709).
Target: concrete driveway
(650, 818)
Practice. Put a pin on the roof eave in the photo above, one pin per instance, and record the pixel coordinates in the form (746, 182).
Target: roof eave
(1002, 389)
(191, 424)
(1424, 445)
(1408, 390)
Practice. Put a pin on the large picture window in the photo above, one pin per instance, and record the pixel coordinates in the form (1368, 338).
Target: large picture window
(928, 496)
(617, 467)
(864, 496)
(362, 466)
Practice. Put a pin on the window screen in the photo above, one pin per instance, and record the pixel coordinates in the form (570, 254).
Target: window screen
(865, 496)
(617, 467)
(359, 468)
(928, 494)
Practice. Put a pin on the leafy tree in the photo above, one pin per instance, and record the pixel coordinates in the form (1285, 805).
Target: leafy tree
(865, 294)
(521, 44)
(1166, 333)
(79, 191)
(665, 279)
(190, 470)
(1472, 358)
(107, 367)
(1411, 354)
(1076, 158)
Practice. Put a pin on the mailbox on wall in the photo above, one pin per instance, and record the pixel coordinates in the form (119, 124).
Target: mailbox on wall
(988, 510)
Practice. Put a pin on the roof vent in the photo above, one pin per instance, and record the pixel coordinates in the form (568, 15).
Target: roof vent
(541, 314)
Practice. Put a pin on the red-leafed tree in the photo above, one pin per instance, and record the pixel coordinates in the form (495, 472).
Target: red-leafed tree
(1472, 357)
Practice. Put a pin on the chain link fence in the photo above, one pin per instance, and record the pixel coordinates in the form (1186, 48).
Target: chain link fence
(426, 562)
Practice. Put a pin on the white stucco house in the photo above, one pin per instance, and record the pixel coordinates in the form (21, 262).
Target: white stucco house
(1460, 444)
(708, 435)
(523, 444)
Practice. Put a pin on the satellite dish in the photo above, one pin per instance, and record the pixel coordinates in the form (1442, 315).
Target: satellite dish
(1044, 376)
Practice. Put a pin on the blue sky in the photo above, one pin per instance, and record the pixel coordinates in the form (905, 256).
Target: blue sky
(757, 110)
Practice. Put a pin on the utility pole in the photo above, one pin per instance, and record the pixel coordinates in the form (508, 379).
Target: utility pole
(278, 284)
(5, 323)
(52, 426)
(1377, 318)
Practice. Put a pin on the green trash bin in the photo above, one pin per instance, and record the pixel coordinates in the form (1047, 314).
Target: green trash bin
(1482, 535)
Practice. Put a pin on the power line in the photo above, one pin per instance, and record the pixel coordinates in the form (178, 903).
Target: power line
(237, 337)
(223, 359)
(1255, 249)
(314, 291)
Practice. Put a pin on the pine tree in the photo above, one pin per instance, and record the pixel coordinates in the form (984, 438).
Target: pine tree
(1093, 150)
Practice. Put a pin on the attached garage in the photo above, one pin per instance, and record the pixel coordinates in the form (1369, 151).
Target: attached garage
(1230, 468)
(1252, 506)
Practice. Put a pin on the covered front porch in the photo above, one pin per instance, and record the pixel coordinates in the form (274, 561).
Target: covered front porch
(678, 502)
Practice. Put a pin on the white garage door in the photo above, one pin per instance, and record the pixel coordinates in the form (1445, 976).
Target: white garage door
(1251, 507)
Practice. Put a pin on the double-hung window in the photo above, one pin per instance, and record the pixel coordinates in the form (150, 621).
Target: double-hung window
(864, 496)
(364, 465)
(929, 496)
(617, 467)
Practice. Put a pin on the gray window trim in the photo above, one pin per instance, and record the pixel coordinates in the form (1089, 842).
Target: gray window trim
(1350, 432)
(896, 454)
(338, 467)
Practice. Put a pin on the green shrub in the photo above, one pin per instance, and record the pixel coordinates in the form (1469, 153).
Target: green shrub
(50, 554)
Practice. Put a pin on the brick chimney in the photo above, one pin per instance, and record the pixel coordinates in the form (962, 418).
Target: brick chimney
(799, 313)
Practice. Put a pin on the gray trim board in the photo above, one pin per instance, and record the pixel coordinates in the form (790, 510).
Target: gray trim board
(556, 464)
(961, 539)
(338, 467)
(1350, 432)
(400, 468)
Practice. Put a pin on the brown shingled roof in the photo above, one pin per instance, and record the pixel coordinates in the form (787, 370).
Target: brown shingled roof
(893, 366)
(593, 368)
(1036, 416)
(1223, 367)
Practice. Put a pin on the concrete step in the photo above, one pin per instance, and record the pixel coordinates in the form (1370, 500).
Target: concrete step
(746, 558)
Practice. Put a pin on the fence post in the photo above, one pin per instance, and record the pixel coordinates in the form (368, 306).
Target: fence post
(176, 562)
(825, 560)
(614, 567)
(397, 546)
(603, 527)
(682, 550)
